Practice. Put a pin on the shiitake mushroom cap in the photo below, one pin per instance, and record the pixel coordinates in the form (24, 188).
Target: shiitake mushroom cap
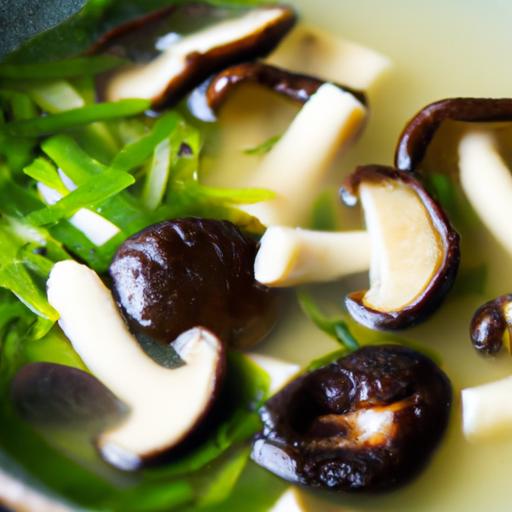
(366, 422)
(420, 130)
(181, 273)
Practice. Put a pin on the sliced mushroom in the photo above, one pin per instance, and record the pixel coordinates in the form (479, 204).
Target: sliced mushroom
(487, 183)
(366, 422)
(292, 256)
(491, 325)
(178, 274)
(296, 165)
(313, 51)
(165, 406)
(419, 132)
(415, 250)
(487, 410)
(295, 86)
(166, 64)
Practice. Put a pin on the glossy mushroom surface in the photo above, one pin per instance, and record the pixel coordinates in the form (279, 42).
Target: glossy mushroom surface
(415, 250)
(173, 50)
(178, 274)
(298, 87)
(420, 130)
(490, 325)
(367, 422)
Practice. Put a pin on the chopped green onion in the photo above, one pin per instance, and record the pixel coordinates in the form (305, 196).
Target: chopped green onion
(43, 171)
(231, 195)
(96, 190)
(66, 68)
(136, 153)
(324, 215)
(56, 96)
(157, 176)
(74, 118)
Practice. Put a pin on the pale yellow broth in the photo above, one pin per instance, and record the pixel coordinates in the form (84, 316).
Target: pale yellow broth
(439, 49)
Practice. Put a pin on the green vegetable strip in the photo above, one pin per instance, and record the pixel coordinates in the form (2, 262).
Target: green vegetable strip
(231, 195)
(135, 154)
(56, 96)
(122, 210)
(157, 176)
(66, 68)
(76, 117)
(43, 171)
(94, 191)
(337, 328)
(264, 147)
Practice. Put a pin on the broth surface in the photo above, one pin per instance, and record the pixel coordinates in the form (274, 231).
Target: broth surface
(439, 49)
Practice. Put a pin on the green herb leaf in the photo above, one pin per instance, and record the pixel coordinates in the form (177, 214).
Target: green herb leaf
(264, 147)
(93, 192)
(43, 171)
(336, 328)
(77, 117)
(78, 66)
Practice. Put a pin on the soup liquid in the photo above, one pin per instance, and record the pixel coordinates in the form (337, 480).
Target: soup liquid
(439, 49)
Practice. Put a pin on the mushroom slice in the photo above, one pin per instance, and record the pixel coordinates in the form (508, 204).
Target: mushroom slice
(487, 410)
(415, 250)
(487, 183)
(165, 405)
(296, 165)
(292, 256)
(420, 130)
(167, 64)
(295, 86)
(311, 50)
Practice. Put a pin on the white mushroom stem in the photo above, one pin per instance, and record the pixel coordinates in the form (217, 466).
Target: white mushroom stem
(292, 256)
(487, 183)
(313, 51)
(295, 167)
(164, 404)
(149, 80)
(487, 410)
(280, 372)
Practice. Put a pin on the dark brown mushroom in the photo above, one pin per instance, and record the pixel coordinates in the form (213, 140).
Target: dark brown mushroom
(415, 250)
(297, 87)
(48, 394)
(173, 50)
(420, 130)
(178, 274)
(491, 325)
(367, 422)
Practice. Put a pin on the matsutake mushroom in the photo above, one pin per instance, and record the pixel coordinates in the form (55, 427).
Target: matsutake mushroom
(173, 50)
(415, 250)
(366, 422)
(165, 406)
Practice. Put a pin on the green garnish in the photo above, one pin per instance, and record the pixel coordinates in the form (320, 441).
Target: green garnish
(264, 147)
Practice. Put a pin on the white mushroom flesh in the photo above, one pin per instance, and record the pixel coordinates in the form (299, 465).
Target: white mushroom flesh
(165, 404)
(296, 166)
(487, 410)
(406, 250)
(487, 183)
(151, 79)
(280, 372)
(313, 51)
(293, 256)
